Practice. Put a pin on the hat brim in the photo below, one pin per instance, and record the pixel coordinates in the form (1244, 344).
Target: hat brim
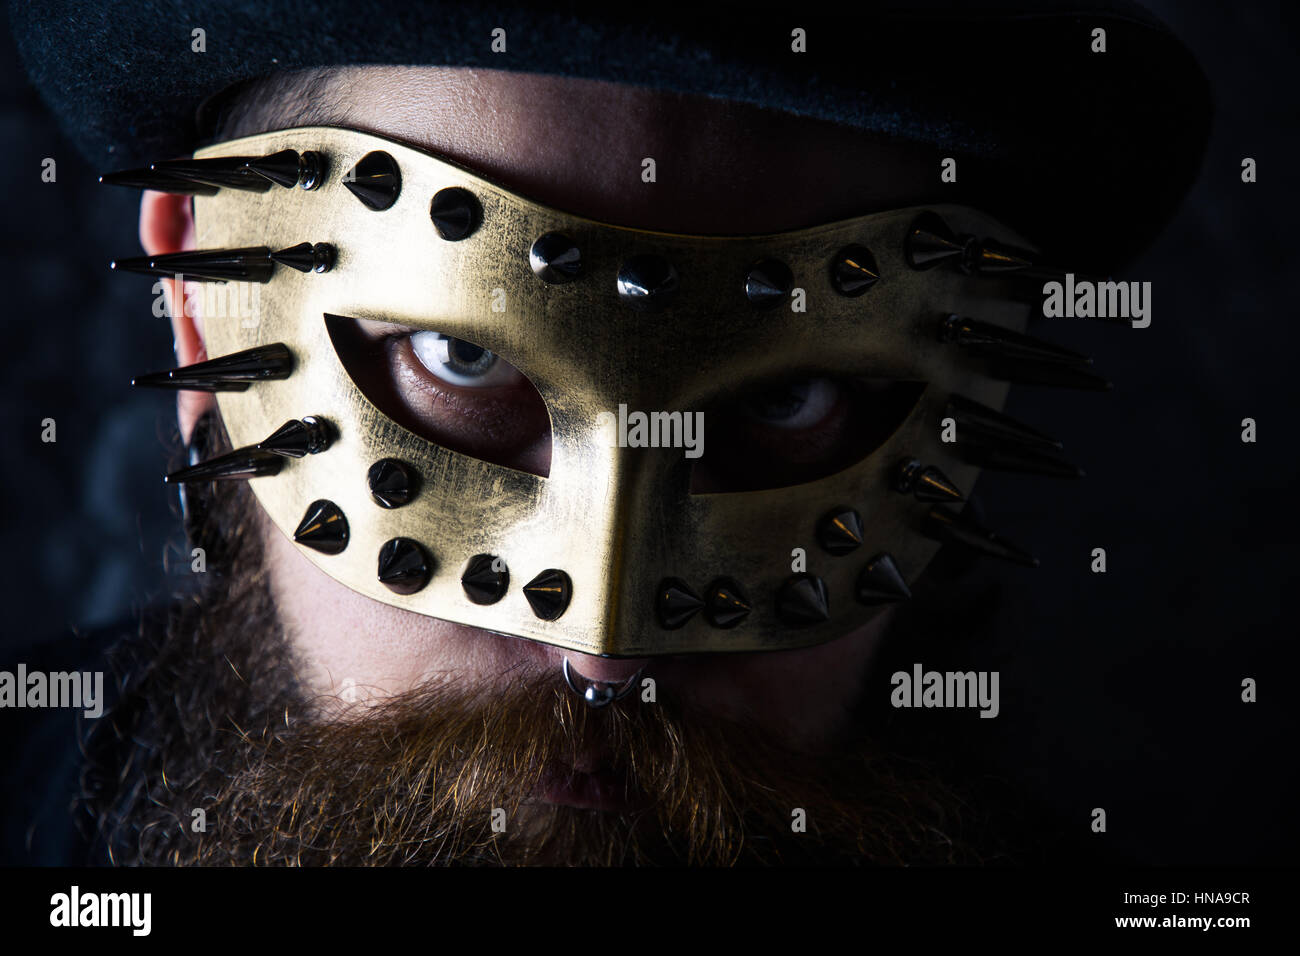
(1086, 153)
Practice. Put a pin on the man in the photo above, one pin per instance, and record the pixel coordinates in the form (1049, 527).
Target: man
(305, 716)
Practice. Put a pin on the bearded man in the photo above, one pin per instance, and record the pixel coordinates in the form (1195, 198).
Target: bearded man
(474, 591)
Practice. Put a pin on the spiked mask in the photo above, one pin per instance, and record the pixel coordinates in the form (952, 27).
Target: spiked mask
(611, 553)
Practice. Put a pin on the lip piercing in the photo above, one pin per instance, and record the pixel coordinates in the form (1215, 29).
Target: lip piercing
(597, 693)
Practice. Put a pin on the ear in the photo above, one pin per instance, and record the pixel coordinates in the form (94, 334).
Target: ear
(167, 225)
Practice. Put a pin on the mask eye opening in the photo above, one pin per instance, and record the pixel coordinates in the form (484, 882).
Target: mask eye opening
(447, 391)
(773, 445)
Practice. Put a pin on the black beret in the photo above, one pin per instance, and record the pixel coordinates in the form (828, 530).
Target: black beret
(1086, 153)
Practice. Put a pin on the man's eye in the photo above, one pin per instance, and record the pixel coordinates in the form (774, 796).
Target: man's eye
(792, 405)
(462, 363)
(797, 430)
(447, 390)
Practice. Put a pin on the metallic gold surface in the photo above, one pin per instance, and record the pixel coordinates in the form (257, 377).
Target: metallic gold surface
(617, 520)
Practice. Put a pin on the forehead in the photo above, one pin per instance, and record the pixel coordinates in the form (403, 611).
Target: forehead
(581, 145)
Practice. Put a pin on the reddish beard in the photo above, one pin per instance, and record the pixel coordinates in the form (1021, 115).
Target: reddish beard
(441, 776)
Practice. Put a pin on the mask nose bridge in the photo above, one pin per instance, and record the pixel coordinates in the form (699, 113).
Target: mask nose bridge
(624, 499)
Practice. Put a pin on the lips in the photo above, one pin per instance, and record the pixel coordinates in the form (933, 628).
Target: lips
(601, 788)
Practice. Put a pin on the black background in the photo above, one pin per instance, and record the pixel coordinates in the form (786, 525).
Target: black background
(1119, 690)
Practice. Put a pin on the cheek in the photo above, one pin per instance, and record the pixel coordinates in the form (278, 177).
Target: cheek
(806, 695)
(342, 639)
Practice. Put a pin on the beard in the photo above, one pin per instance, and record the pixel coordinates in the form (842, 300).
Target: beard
(213, 754)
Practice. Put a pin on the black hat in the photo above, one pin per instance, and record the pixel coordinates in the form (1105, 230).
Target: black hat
(1085, 152)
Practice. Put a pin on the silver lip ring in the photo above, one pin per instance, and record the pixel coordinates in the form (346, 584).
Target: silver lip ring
(596, 693)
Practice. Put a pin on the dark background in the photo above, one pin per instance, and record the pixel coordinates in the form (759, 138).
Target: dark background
(1119, 691)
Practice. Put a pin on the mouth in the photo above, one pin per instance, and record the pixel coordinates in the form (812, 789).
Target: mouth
(603, 787)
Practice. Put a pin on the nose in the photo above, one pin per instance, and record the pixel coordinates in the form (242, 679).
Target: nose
(604, 669)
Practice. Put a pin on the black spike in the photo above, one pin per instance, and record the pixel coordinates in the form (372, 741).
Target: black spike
(549, 593)
(930, 243)
(1017, 459)
(141, 264)
(376, 180)
(555, 258)
(486, 579)
(676, 603)
(160, 380)
(240, 463)
(392, 483)
(288, 169)
(803, 600)
(323, 528)
(840, 532)
(1051, 374)
(281, 168)
(306, 257)
(881, 582)
(294, 439)
(159, 181)
(854, 271)
(926, 482)
(950, 527)
(455, 212)
(404, 565)
(994, 342)
(976, 422)
(987, 258)
(227, 373)
(228, 172)
(647, 282)
(251, 263)
(725, 604)
(768, 282)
